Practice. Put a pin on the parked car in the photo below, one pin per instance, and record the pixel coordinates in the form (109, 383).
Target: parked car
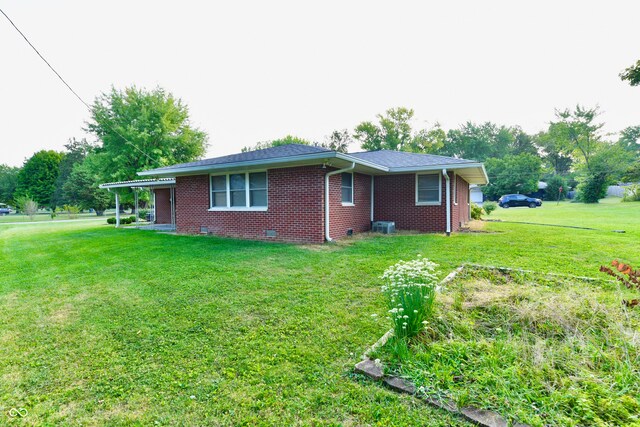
(5, 210)
(513, 200)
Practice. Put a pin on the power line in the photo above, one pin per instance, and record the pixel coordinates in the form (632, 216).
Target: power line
(67, 84)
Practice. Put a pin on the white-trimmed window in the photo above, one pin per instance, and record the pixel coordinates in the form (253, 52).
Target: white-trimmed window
(428, 189)
(347, 188)
(239, 191)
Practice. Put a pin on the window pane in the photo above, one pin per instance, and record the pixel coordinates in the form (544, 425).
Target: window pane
(428, 188)
(220, 199)
(239, 198)
(258, 197)
(258, 180)
(219, 183)
(347, 195)
(236, 181)
(347, 179)
(428, 181)
(428, 195)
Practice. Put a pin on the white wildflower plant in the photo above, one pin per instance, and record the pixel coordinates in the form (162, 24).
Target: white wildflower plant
(410, 288)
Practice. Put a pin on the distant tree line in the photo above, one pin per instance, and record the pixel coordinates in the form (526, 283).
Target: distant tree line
(134, 129)
(571, 153)
(137, 129)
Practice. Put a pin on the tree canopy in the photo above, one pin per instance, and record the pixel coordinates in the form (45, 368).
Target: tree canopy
(632, 74)
(8, 182)
(76, 151)
(512, 174)
(141, 129)
(38, 175)
(394, 132)
(81, 187)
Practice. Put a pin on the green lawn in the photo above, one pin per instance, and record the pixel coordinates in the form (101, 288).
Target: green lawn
(45, 216)
(128, 327)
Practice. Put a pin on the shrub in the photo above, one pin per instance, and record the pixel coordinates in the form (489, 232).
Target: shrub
(489, 207)
(476, 211)
(552, 191)
(132, 218)
(111, 220)
(71, 210)
(142, 213)
(632, 193)
(410, 288)
(125, 220)
(28, 206)
(593, 188)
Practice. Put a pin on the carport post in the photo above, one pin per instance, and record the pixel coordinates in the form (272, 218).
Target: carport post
(135, 193)
(117, 209)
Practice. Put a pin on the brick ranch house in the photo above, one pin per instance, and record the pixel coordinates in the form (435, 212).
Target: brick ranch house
(281, 193)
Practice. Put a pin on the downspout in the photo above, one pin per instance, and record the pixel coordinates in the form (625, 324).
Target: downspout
(448, 197)
(372, 180)
(326, 198)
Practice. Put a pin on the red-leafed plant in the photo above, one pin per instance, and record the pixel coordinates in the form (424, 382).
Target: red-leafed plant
(625, 274)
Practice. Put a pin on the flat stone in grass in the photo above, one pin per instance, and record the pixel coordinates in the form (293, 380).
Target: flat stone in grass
(484, 418)
(401, 385)
(369, 368)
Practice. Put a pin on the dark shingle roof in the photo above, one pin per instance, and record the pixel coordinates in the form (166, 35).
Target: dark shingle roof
(264, 154)
(403, 159)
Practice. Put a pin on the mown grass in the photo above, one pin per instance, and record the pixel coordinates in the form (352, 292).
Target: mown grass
(45, 216)
(127, 327)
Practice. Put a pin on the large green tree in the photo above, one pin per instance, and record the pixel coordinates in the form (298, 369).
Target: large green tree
(555, 151)
(289, 139)
(142, 129)
(76, 151)
(38, 175)
(479, 141)
(630, 139)
(8, 182)
(578, 131)
(81, 187)
(632, 74)
(394, 131)
(512, 174)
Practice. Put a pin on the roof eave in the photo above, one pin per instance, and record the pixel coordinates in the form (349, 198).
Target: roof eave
(453, 166)
(138, 183)
(278, 161)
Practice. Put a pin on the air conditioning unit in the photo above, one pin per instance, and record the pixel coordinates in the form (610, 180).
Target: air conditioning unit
(385, 227)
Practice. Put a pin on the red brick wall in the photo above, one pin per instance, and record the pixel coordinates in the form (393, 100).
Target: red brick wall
(295, 212)
(357, 217)
(395, 200)
(163, 206)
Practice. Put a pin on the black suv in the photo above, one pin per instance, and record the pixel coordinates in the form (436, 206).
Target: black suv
(512, 200)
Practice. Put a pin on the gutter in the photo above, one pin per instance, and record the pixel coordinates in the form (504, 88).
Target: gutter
(326, 198)
(448, 197)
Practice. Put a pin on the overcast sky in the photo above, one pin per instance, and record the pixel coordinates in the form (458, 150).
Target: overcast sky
(254, 71)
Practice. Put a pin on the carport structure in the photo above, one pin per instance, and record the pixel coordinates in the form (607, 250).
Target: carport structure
(162, 200)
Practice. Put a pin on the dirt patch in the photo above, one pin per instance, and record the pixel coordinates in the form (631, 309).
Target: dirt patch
(61, 316)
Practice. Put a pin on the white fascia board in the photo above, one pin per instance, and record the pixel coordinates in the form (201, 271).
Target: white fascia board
(451, 167)
(348, 158)
(141, 183)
